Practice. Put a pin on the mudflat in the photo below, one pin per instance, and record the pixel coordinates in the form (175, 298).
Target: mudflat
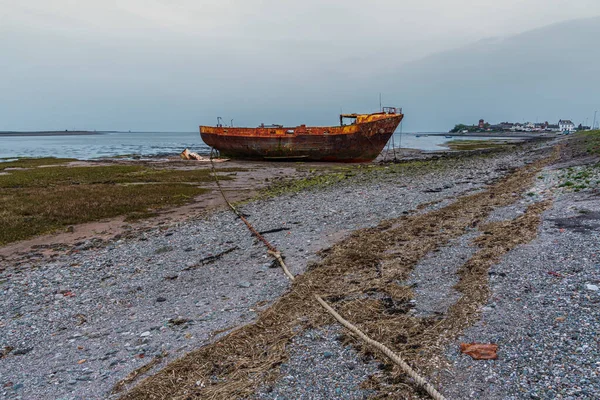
(51, 203)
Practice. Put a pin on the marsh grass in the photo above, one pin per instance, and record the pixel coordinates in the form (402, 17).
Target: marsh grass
(43, 200)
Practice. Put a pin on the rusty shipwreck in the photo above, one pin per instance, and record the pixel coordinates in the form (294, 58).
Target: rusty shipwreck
(358, 138)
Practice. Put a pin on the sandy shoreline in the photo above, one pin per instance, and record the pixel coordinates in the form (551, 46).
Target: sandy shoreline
(149, 292)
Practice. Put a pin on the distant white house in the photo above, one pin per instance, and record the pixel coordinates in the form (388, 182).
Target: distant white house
(566, 125)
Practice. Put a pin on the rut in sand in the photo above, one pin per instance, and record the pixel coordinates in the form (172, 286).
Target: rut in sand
(363, 277)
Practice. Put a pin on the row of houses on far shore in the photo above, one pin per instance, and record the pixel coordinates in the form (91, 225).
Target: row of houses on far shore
(564, 125)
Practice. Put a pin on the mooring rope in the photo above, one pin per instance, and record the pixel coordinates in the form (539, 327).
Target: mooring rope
(385, 350)
(272, 251)
(235, 210)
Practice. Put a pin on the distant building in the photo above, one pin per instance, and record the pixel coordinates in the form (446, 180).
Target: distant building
(566, 125)
(505, 126)
(562, 126)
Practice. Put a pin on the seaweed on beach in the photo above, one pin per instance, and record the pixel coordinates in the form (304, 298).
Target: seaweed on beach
(363, 277)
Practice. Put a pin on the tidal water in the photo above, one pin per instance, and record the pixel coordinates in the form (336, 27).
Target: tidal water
(153, 144)
(102, 145)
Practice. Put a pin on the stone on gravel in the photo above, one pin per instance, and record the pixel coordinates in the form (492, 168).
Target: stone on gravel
(320, 367)
(22, 352)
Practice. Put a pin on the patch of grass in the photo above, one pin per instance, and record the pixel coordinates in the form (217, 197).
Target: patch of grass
(581, 177)
(585, 143)
(42, 200)
(34, 162)
(566, 184)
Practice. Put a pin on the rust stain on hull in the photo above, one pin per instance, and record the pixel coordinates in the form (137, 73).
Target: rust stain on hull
(361, 141)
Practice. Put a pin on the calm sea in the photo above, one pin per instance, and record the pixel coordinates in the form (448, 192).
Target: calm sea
(150, 144)
(102, 145)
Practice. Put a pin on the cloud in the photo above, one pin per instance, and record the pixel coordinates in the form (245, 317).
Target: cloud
(178, 61)
(340, 20)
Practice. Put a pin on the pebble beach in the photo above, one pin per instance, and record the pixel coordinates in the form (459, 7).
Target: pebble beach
(75, 326)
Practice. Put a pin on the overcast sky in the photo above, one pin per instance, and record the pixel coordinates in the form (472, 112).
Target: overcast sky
(171, 65)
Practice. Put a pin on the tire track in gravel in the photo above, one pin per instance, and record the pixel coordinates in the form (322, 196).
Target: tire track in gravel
(363, 277)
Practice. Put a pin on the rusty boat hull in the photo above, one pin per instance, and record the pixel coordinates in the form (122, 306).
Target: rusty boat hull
(361, 141)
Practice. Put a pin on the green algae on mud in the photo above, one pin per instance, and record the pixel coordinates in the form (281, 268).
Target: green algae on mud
(324, 177)
(476, 144)
(361, 173)
(32, 162)
(27, 213)
(103, 174)
(36, 200)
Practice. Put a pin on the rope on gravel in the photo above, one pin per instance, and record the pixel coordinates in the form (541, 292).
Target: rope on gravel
(272, 251)
(235, 210)
(385, 350)
(285, 269)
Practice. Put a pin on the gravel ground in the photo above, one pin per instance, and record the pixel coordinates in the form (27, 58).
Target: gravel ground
(79, 324)
(434, 277)
(544, 310)
(321, 367)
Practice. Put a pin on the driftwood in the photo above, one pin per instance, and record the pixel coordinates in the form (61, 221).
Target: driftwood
(274, 230)
(210, 259)
(188, 155)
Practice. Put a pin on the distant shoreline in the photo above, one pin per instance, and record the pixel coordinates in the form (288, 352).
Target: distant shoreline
(50, 133)
(498, 134)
